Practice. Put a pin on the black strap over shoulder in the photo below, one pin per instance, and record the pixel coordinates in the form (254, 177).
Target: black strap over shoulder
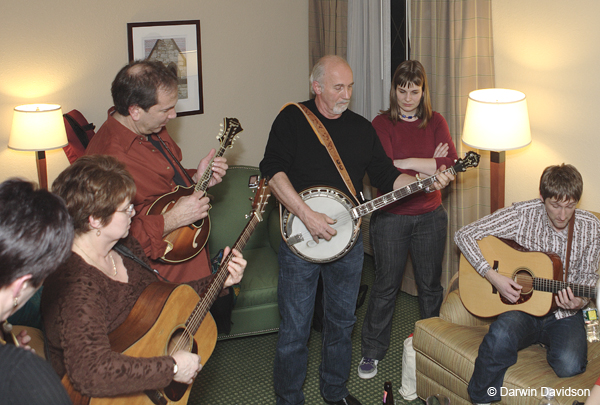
(125, 251)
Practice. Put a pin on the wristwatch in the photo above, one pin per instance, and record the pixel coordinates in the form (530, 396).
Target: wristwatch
(175, 368)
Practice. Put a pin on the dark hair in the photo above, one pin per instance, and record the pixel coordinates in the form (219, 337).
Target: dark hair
(36, 232)
(138, 83)
(563, 182)
(410, 72)
(94, 185)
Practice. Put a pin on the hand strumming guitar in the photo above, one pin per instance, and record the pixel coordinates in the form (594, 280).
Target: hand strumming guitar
(507, 287)
(188, 366)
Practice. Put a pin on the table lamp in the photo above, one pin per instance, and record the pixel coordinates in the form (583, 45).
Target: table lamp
(496, 120)
(38, 128)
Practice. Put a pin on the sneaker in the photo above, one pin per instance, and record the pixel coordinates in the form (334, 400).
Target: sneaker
(367, 368)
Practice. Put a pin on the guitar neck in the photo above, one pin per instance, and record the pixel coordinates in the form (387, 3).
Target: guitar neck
(216, 285)
(395, 195)
(553, 286)
(202, 184)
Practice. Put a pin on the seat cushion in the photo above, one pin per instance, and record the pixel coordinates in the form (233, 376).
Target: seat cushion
(259, 284)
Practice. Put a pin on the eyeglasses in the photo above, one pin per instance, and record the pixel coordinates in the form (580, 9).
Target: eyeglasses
(129, 210)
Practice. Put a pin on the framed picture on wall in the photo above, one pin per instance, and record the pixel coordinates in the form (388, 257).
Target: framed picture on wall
(177, 45)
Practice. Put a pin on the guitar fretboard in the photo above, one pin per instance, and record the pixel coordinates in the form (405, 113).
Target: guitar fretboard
(216, 285)
(553, 286)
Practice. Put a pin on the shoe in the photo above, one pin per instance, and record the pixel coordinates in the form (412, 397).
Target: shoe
(367, 368)
(349, 400)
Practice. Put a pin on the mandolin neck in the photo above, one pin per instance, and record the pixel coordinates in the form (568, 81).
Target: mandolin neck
(202, 184)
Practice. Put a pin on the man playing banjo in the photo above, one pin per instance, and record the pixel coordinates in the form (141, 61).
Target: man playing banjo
(294, 160)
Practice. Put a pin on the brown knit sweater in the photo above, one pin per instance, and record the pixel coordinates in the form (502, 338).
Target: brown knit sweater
(80, 307)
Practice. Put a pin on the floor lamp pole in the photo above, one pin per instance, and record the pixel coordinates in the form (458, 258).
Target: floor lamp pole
(40, 159)
(497, 180)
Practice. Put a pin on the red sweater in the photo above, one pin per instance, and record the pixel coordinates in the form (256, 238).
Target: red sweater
(406, 140)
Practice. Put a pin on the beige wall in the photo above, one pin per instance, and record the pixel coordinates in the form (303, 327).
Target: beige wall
(254, 55)
(549, 49)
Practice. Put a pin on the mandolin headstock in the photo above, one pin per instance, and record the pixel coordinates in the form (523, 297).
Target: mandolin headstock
(228, 133)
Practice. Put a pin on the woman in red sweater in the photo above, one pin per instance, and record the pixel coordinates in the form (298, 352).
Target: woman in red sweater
(418, 141)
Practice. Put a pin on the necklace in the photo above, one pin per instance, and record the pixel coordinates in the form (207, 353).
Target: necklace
(96, 263)
(408, 117)
(113, 263)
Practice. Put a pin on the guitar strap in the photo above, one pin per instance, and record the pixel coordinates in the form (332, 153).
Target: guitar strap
(124, 250)
(326, 141)
(569, 240)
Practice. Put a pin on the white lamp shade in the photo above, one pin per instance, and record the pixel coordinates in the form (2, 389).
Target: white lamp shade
(37, 127)
(497, 120)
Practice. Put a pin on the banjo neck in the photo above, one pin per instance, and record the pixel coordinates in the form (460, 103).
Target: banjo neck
(393, 196)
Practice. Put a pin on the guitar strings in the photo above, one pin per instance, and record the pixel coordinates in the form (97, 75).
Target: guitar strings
(201, 309)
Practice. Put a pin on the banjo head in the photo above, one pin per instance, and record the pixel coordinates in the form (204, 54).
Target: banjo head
(335, 205)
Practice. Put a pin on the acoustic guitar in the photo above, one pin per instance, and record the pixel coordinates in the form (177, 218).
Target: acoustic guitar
(540, 274)
(347, 216)
(186, 242)
(170, 317)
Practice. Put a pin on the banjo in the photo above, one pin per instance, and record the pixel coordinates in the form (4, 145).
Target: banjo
(347, 216)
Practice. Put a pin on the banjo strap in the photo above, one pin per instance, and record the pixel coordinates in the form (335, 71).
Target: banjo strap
(326, 141)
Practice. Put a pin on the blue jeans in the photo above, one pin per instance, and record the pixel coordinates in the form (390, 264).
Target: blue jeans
(296, 291)
(515, 330)
(393, 236)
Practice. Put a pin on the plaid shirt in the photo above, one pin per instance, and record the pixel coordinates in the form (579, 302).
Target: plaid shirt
(527, 223)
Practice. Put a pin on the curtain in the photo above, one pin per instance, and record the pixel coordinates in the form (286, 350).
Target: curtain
(327, 29)
(453, 41)
(369, 47)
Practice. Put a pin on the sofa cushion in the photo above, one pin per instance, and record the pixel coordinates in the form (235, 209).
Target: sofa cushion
(259, 284)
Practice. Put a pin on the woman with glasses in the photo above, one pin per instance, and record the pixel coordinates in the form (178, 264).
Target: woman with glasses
(95, 290)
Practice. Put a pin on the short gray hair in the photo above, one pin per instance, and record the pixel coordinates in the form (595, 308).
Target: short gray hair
(319, 69)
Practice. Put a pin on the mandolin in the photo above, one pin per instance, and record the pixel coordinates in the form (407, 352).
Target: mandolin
(186, 242)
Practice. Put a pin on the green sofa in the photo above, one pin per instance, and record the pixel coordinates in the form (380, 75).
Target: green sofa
(256, 309)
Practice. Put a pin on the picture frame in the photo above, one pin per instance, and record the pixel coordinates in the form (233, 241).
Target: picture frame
(176, 44)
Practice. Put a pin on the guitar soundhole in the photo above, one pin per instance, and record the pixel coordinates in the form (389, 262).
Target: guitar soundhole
(181, 340)
(524, 278)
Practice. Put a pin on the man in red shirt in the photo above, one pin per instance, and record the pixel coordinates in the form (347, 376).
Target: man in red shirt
(144, 95)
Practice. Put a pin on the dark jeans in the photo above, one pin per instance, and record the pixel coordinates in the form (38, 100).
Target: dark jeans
(296, 297)
(393, 236)
(514, 330)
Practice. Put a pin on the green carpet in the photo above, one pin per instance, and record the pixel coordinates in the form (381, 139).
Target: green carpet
(240, 371)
